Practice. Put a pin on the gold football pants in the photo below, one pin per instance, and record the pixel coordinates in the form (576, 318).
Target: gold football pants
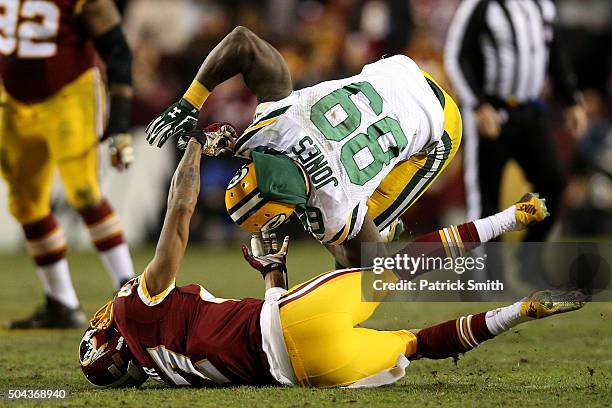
(326, 349)
(61, 131)
(411, 178)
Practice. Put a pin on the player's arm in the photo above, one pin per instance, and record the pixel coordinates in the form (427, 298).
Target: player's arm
(351, 254)
(184, 191)
(240, 52)
(270, 260)
(103, 22)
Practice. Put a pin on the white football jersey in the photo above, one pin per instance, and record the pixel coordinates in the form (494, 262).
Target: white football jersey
(348, 134)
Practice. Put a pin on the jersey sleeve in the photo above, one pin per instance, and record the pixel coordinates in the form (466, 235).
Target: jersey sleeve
(263, 132)
(146, 298)
(334, 227)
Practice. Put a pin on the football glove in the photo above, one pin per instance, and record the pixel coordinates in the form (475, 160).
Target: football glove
(217, 139)
(121, 151)
(179, 117)
(265, 255)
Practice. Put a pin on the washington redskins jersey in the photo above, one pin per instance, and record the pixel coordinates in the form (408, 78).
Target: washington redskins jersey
(43, 47)
(185, 336)
(348, 134)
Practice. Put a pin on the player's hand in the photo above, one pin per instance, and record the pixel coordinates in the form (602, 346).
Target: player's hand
(121, 151)
(216, 139)
(266, 255)
(179, 117)
(576, 121)
(488, 121)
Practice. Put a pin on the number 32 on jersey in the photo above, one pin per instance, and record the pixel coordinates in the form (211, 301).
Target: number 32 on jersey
(29, 28)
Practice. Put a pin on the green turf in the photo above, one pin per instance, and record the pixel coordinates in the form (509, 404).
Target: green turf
(561, 361)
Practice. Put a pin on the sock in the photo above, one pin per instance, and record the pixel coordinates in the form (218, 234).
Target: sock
(504, 318)
(118, 259)
(46, 244)
(107, 236)
(57, 283)
(453, 337)
(447, 242)
(458, 336)
(495, 225)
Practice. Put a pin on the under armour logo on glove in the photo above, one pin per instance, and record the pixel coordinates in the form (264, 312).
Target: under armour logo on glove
(180, 117)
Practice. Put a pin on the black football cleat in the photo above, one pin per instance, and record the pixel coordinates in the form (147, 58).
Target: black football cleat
(52, 315)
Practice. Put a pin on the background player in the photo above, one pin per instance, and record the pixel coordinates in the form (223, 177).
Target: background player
(52, 116)
(370, 145)
(183, 336)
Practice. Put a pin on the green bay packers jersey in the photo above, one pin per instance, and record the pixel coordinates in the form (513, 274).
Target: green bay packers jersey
(347, 135)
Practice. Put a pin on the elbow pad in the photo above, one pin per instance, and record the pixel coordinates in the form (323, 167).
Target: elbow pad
(115, 51)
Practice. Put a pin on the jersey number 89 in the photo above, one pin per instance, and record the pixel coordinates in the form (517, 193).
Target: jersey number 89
(35, 36)
(327, 107)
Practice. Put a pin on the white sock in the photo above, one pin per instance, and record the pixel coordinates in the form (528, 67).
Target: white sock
(495, 225)
(57, 282)
(504, 318)
(118, 263)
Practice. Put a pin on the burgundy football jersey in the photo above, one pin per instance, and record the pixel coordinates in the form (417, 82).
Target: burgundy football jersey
(182, 339)
(43, 46)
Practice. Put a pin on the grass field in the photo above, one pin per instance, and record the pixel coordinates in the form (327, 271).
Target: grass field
(562, 361)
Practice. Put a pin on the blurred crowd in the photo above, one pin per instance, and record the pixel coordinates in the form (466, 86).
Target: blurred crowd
(323, 40)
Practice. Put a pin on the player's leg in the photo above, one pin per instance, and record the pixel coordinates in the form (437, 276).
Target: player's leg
(74, 149)
(316, 313)
(410, 179)
(325, 348)
(460, 335)
(27, 169)
(456, 241)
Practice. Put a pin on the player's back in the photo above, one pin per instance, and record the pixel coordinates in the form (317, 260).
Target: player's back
(43, 46)
(348, 134)
(185, 336)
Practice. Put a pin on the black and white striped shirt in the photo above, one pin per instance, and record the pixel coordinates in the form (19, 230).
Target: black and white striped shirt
(502, 50)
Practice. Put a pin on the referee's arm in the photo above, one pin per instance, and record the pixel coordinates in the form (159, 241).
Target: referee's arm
(566, 88)
(462, 52)
(464, 61)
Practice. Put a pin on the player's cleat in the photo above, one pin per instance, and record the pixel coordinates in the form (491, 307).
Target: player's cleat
(52, 315)
(550, 302)
(530, 208)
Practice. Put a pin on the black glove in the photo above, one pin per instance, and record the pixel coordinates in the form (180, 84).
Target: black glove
(179, 117)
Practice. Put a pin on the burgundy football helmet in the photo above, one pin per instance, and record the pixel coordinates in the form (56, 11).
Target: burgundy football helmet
(106, 360)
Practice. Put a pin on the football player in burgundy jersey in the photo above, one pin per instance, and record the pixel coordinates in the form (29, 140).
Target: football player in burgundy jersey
(185, 336)
(52, 106)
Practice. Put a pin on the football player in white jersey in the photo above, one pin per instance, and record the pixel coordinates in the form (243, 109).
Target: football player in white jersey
(348, 156)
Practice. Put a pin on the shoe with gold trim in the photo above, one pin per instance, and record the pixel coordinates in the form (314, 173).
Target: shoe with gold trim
(530, 208)
(550, 302)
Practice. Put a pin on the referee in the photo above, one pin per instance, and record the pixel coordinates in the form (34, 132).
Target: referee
(498, 54)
